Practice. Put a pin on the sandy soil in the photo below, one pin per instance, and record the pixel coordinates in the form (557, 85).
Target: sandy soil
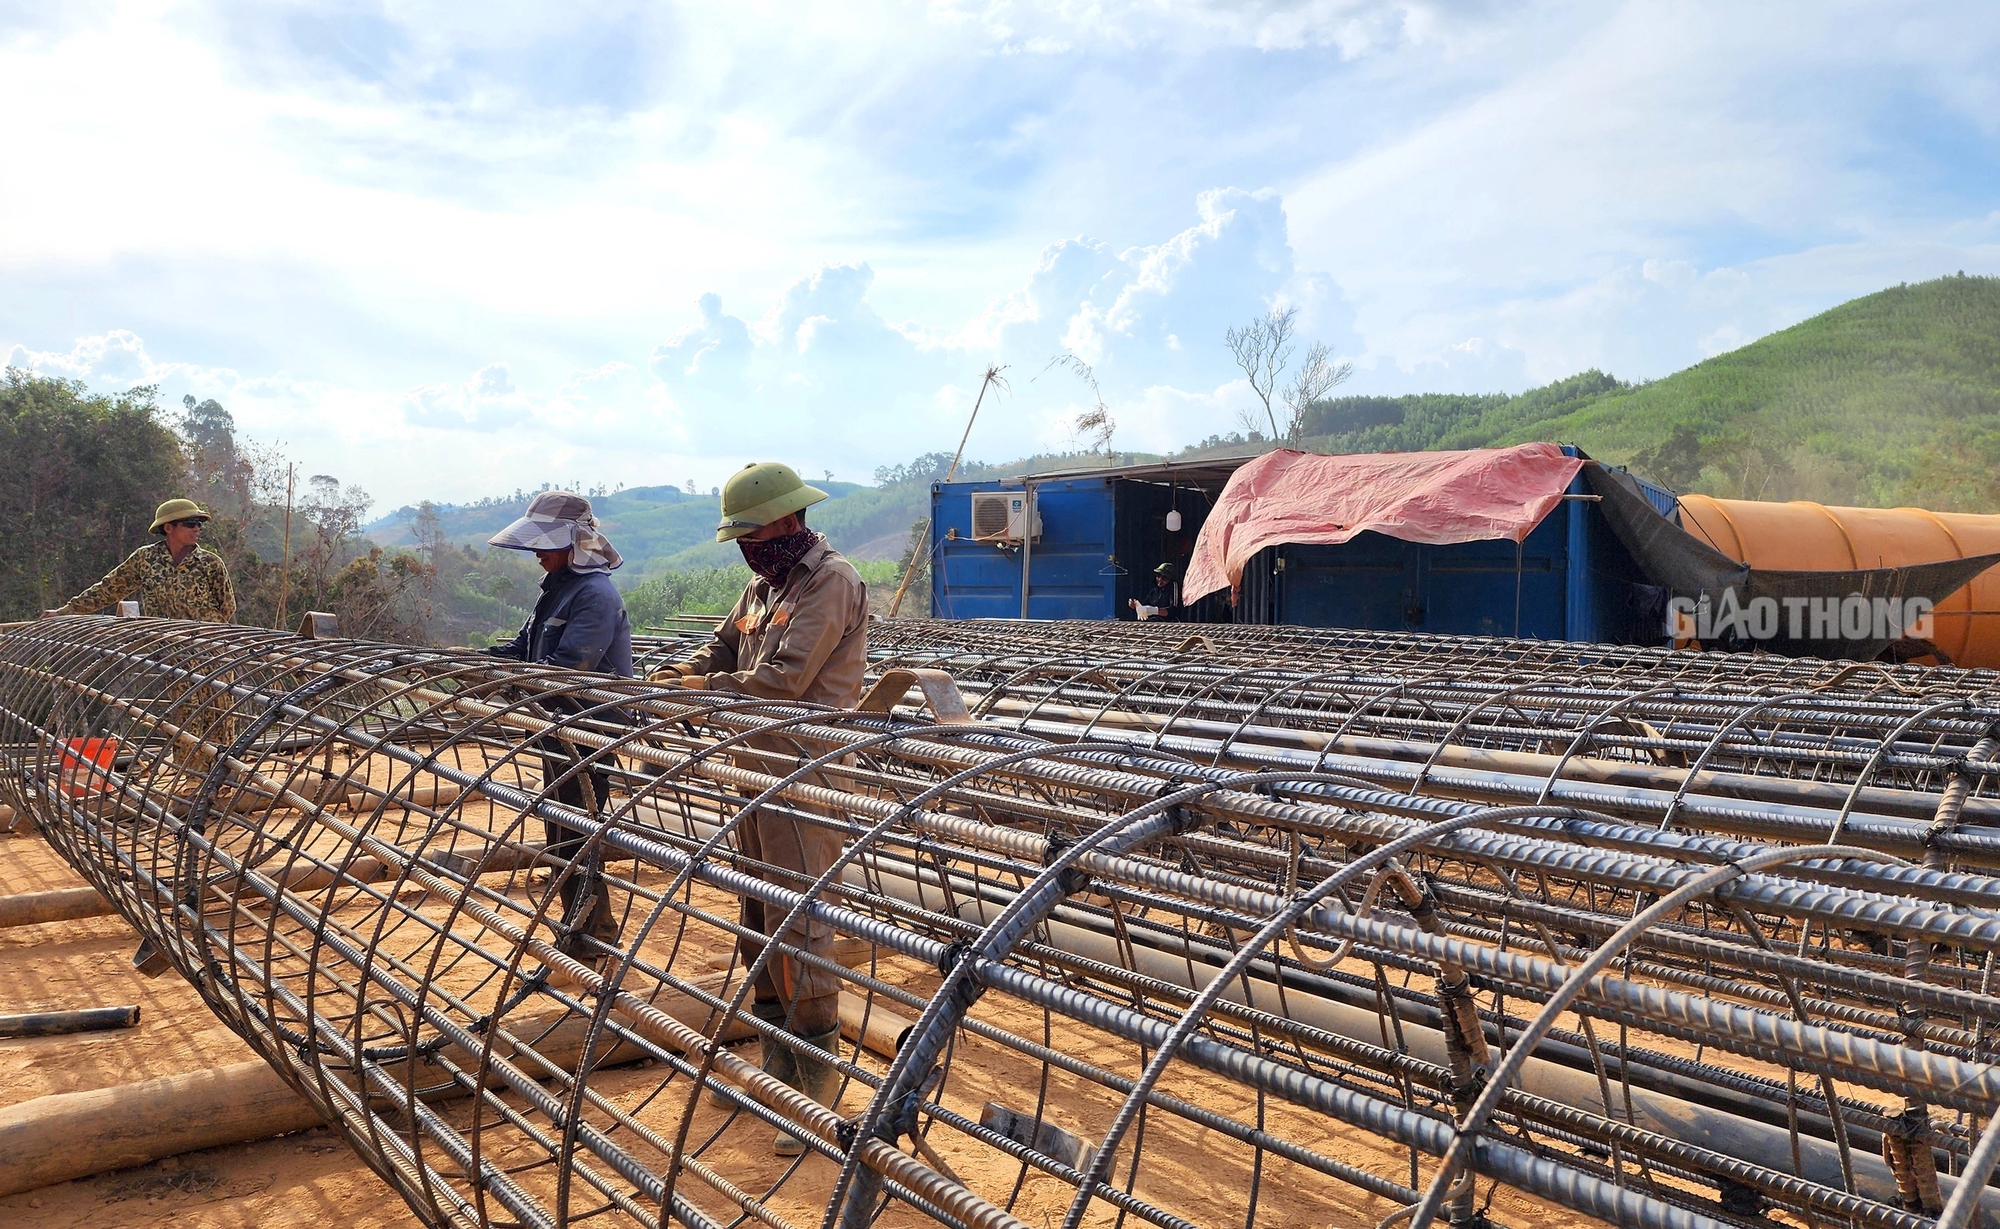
(311, 1179)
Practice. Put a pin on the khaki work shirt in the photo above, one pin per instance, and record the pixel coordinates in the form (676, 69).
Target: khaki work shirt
(805, 640)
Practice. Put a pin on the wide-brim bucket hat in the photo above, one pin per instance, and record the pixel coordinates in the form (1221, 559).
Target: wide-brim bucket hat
(556, 519)
(177, 510)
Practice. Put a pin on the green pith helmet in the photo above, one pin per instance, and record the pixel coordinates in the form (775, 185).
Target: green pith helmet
(1165, 569)
(177, 510)
(758, 494)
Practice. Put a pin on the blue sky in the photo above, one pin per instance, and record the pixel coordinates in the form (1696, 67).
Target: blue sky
(448, 250)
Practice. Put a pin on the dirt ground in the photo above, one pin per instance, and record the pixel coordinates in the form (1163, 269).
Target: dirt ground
(310, 1179)
(313, 1179)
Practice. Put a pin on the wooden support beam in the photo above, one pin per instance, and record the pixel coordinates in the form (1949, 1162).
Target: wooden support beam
(72, 1135)
(77, 1134)
(878, 1029)
(65, 905)
(486, 861)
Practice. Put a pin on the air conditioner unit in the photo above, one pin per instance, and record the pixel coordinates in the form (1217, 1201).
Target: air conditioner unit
(1001, 516)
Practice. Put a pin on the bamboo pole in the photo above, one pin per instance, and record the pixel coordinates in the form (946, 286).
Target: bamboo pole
(921, 551)
(285, 566)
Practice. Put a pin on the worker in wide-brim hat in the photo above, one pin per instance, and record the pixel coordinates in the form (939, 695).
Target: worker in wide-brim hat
(175, 578)
(579, 623)
(799, 632)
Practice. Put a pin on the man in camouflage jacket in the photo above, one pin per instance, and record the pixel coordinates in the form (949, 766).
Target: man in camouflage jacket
(174, 577)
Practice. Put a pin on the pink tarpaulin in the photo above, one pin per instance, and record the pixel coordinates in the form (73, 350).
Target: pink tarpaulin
(1430, 497)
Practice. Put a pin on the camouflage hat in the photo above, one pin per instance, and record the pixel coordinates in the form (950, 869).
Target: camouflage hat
(176, 510)
(556, 519)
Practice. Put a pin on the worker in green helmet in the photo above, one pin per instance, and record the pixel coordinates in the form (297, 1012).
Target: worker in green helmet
(1163, 600)
(799, 632)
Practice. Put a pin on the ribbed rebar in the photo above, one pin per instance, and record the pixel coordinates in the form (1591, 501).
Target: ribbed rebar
(1097, 902)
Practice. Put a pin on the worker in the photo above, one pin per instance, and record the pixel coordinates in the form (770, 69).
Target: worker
(175, 577)
(1163, 601)
(579, 623)
(799, 632)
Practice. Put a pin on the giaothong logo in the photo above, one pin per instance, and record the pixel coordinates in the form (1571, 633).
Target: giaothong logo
(1853, 617)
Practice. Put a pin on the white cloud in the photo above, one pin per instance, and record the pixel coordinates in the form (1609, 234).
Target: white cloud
(448, 252)
(113, 361)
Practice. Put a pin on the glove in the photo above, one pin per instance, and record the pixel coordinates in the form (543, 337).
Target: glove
(668, 674)
(692, 682)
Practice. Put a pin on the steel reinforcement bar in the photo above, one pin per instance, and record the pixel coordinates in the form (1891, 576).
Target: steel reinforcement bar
(1175, 938)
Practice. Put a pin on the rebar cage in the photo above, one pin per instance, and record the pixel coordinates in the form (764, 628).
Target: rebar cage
(1234, 927)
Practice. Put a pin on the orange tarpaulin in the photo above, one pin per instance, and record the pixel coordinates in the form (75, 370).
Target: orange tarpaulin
(1430, 497)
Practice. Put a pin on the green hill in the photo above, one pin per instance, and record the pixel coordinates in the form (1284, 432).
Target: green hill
(1893, 398)
(664, 529)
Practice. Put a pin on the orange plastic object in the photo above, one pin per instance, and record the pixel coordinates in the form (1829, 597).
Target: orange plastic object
(1813, 537)
(86, 764)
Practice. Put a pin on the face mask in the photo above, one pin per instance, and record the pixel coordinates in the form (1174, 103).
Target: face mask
(773, 558)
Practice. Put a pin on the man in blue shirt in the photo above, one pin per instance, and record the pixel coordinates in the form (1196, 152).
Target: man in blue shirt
(580, 624)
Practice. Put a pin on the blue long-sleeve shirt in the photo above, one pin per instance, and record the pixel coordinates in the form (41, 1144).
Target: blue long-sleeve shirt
(579, 623)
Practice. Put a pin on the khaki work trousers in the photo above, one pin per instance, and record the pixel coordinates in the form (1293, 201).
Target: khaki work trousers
(811, 993)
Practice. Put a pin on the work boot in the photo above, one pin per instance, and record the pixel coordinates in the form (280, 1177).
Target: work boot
(771, 1012)
(817, 1079)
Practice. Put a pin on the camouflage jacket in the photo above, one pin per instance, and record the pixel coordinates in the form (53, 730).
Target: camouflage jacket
(195, 588)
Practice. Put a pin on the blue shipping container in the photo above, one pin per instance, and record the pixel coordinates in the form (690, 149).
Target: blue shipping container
(1102, 533)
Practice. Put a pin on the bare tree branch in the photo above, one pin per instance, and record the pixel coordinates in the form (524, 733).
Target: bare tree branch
(1095, 424)
(1314, 379)
(1262, 348)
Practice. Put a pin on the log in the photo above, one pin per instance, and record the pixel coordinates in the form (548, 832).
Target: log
(65, 905)
(77, 1134)
(56, 1023)
(878, 1029)
(853, 952)
(487, 861)
(367, 797)
(72, 1135)
(352, 795)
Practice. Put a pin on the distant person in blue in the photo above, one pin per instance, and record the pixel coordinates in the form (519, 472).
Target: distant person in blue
(579, 623)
